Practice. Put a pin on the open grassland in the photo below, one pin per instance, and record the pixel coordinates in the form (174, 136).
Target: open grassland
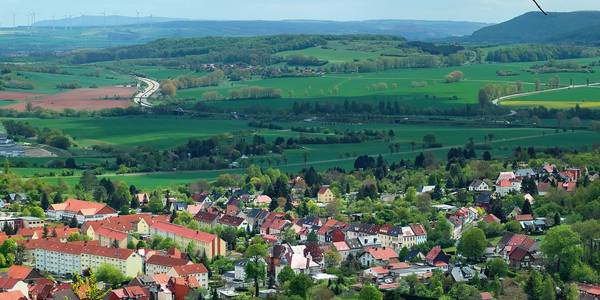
(432, 90)
(347, 51)
(168, 132)
(85, 76)
(327, 156)
(588, 97)
(152, 131)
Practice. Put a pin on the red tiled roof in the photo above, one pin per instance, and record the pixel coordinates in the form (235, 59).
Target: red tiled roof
(7, 283)
(527, 217)
(190, 269)
(61, 231)
(520, 240)
(184, 232)
(278, 224)
(78, 248)
(161, 279)
(341, 246)
(418, 229)
(433, 253)
(518, 253)
(82, 207)
(131, 292)
(589, 289)
(18, 272)
(231, 220)
(331, 224)
(323, 189)
(167, 261)
(206, 217)
(382, 253)
(13, 295)
(399, 265)
(379, 270)
(486, 296)
(491, 218)
(111, 234)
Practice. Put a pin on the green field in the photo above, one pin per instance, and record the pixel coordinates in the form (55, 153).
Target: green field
(86, 76)
(154, 131)
(169, 132)
(436, 93)
(584, 97)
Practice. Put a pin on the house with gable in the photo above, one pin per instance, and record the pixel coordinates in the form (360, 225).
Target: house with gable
(507, 183)
(325, 195)
(378, 256)
(83, 211)
(479, 185)
(436, 257)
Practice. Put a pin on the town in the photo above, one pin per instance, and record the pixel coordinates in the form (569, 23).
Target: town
(265, 233)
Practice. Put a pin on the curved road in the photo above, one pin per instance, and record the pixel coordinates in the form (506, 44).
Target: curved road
(141, 98)
(497, 101)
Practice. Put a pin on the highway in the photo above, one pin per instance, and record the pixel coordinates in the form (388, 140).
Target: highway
(141, 98)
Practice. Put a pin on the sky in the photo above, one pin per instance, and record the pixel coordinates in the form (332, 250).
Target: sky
(489, 11)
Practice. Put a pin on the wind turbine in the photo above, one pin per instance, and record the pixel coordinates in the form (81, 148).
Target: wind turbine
(539, 7)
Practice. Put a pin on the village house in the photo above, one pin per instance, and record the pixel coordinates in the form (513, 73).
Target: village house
(157, 264)
(479, 185)
(235, 222)
(11, 285)
(507, 183)
(206, 218)
(325, 195)
(374, 256)
(331, 231)
(197, 271)
(83, 211)
(438, 258)
(114, 228)
(518, 250)
(129, 293)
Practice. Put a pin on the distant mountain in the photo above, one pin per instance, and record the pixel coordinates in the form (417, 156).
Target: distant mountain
(410, 29)
(101, 32)
(100, 21)
(535, 27)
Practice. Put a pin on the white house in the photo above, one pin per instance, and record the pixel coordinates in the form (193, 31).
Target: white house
(478, 185)
(83, 211)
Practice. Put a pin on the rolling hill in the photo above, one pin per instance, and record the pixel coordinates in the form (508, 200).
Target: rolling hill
(59, 36)
(535, 27)
(101, 21)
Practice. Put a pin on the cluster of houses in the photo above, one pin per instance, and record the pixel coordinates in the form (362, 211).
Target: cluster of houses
(385, 253)
(544, 178)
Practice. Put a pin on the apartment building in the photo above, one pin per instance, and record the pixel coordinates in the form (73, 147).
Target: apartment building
(83, 211)
(74, 258)
(206, 243)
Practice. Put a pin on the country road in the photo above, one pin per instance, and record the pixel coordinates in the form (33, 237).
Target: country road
(141, 97)
(497, 101)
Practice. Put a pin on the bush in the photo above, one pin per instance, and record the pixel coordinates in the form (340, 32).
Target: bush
(455, 76)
